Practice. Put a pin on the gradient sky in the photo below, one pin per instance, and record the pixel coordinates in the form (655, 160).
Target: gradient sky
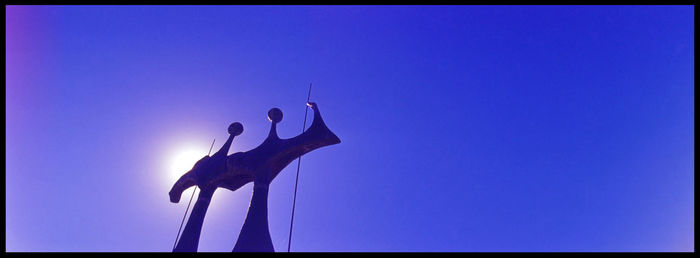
(463, 128)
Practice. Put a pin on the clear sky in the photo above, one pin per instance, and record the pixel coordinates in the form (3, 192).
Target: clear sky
(463, 128)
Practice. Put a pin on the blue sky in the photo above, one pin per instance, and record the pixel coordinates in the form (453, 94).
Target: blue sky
(463, 128)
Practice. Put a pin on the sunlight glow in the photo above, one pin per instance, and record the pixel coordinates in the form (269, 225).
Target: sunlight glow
(182, 161)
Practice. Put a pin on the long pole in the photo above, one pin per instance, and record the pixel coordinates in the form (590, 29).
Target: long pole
(296, 184)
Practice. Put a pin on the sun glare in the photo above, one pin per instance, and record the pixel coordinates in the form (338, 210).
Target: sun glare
(182, 161)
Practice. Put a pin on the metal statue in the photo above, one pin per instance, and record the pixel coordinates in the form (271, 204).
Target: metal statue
(260, 165)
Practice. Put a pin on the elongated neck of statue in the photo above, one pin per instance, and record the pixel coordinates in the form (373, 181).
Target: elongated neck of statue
(255, 233)
(189, 241)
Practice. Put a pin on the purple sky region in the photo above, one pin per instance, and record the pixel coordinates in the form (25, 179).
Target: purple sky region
(463, 128)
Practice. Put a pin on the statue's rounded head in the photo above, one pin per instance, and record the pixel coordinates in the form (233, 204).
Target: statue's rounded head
(275, 115)
(235, 129)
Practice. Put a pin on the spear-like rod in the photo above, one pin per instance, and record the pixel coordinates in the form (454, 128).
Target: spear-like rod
(296, 184)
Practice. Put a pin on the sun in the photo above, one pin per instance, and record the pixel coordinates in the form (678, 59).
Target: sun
(182, 161)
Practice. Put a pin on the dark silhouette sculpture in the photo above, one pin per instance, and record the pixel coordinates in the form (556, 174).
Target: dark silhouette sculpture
(260, 165)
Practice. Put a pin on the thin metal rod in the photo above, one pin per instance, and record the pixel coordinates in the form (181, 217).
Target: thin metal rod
(212, 146)
(188, 204)
(294, 203)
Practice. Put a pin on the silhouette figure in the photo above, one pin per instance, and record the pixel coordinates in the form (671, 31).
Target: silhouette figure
(260, 165)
